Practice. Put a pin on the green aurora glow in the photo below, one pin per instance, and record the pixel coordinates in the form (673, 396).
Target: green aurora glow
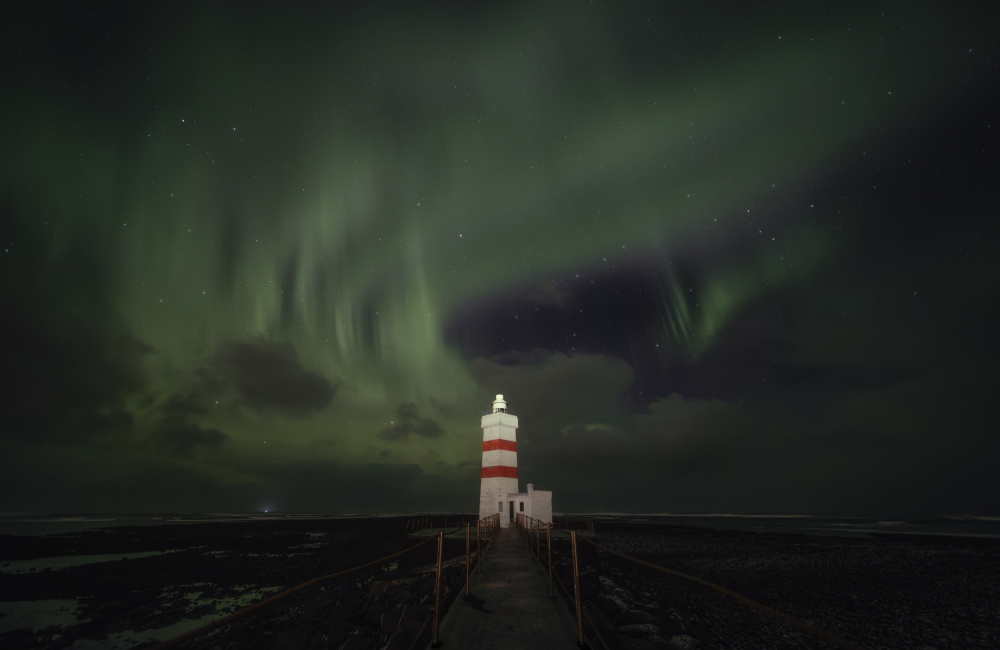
(332, 190)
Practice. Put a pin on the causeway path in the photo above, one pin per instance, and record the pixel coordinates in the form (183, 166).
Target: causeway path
(510, 605)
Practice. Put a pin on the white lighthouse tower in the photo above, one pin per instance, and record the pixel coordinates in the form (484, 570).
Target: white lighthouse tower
(498, 489)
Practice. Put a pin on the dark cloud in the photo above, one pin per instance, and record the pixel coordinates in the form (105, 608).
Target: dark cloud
(690, 435)
(362, 487)
(97, 422)
(89, 479)
(556, 387)
(408, 422)
(677, 437)
(186, 439)
(65, 378)
(184, 406)
(615, 310)
(334, 486)
(725, 272)
(869, 453)
(551, 293)
(179, 433)
(269, 376)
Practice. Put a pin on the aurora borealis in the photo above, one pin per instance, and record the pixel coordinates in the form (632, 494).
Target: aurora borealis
(716, 259)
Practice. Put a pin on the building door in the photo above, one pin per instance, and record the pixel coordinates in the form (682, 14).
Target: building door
(511, 511)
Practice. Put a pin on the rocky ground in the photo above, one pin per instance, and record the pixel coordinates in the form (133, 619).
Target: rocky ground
(213, 569)
(879, 592)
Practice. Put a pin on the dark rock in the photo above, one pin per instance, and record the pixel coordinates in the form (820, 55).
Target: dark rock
(589, 587)
(607, 605)
(639, 631)
(652, 643)
(338, 630)
(413, 617)
(374, 614)
(399, 641)
(634, 617)
(671, 626)
(403, 596)
(358, 642)
(291, 639)
(390, 620)
(683, 642)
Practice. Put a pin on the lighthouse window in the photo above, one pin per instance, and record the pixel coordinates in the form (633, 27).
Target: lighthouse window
(522, 506)
(500, 507)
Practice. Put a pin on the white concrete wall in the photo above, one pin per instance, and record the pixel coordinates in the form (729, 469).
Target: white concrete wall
(541, 505)
(500, 457)
(499, 419)
(491, 490)
(498, 426)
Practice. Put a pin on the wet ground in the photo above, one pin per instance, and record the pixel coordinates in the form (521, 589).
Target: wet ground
(881, 591)
(125, 587)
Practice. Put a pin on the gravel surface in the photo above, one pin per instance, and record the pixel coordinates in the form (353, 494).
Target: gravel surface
(49, 600)
(124, 587)
(882, 591)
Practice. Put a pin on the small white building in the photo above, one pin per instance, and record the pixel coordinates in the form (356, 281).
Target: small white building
(498, 489)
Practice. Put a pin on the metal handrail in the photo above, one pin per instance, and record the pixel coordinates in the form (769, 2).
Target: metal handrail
(228, 618)
(488, 525)
(526, 524)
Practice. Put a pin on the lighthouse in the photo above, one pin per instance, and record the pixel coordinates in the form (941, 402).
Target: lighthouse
(498, 488)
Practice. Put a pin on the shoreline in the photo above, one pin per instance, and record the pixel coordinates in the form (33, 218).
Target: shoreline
(959, 526)
(884, 590)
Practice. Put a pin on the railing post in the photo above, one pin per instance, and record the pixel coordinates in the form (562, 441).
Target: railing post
(479, 551)
(548, 533)
(576, 592)
(538, 544)
(467, 559)
(437, 590)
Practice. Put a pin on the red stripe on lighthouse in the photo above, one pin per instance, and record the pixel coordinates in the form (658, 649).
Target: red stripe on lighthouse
(500, 471)
(505, 445)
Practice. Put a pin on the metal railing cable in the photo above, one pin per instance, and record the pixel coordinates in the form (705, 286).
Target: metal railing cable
(802, 626)
(489, 525)
(523, 523)
(526, 524)
(421, 632)
(228, 618)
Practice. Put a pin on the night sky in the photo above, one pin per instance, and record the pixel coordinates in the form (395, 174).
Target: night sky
(717, 259)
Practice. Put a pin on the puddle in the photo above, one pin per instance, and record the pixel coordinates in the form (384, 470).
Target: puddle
(65, 561)
(37, 615)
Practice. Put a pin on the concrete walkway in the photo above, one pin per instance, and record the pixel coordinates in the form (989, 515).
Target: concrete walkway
(509, 606)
